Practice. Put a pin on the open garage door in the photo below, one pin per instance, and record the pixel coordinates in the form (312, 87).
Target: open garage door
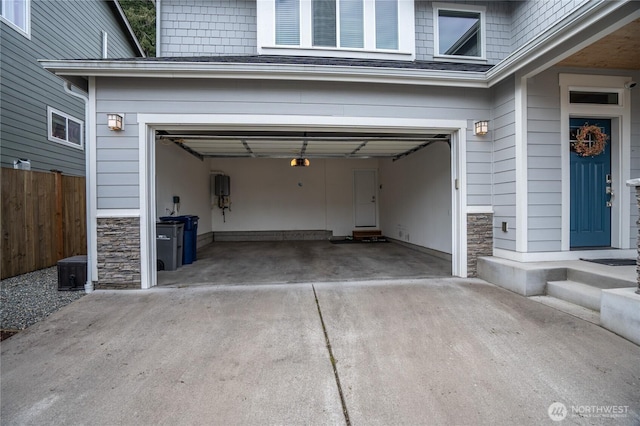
(315, 199)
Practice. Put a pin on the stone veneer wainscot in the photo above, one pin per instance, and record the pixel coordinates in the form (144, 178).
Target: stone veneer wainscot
(119, 253)
(479, 240)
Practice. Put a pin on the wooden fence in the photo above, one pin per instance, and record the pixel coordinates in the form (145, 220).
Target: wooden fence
(43, 219)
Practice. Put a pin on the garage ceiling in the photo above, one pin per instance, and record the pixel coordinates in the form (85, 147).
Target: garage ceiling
(300, 144)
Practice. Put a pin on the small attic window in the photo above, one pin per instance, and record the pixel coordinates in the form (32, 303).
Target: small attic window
(594, 98)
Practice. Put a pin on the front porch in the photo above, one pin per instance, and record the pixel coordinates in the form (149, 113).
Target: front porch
(602, 294)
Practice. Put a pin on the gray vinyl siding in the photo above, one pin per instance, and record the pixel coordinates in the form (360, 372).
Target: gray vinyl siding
(531, 17)
(208, 28)
(59, 30)
(504, 165)
(118, 151)
(544, 163)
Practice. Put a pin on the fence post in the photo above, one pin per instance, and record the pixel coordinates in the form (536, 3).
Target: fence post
(59, 215)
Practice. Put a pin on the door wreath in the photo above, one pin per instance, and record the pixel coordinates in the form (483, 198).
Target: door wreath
(590, 141)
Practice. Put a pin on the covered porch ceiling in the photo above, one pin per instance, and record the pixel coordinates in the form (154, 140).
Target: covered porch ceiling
(298, 144)
(618, 50)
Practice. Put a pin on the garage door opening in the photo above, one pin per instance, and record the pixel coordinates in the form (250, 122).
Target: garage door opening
(273, 222)
(418, 164)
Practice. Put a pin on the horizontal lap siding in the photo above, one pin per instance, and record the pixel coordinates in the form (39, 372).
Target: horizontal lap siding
(544, 163)
(118, 151)
(504, 175)
(59, 30)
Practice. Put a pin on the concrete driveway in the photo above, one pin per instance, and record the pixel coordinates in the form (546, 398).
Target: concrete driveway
(438, 351)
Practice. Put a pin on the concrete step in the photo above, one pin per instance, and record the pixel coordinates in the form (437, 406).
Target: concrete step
(597, 279)
(575, 292)
(569, 308)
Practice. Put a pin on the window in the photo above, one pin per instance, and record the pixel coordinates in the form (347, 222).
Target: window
(64, 129)
(459, 32)
(17, 13)
(593, 97)
(381, 29)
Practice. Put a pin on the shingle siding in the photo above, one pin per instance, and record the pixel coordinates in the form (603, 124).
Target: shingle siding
(203, 28)
(530, 18)
(59, 30)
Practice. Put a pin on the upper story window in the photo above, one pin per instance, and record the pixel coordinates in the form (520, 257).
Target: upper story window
(64, 129)
(339, 28)
(17, 13)
(459, 31)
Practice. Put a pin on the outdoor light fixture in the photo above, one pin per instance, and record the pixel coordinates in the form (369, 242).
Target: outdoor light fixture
(300, 162)
(481, 127)
(114, 121)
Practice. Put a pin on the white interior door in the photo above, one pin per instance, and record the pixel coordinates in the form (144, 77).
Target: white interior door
(365, 198)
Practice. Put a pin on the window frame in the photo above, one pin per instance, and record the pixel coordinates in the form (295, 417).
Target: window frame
(67, 142)
(481, 10)
(26, 31)
(266, 34)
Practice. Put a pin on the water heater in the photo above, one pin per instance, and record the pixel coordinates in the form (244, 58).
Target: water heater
(221, 185)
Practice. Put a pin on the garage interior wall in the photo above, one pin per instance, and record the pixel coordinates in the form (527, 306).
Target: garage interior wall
(415, 198)
(267, 194)
(179, 173)
(270, 195)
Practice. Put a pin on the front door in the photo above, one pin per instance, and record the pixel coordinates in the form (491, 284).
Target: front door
(590, 189)
(365, 200)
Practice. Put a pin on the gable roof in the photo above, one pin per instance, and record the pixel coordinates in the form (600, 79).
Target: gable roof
(126, 26)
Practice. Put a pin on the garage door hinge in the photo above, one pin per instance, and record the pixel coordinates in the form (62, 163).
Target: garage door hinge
(457, 184)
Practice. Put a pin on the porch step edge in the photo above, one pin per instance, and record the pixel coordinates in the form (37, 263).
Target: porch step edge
(575, 292)
(569, 308)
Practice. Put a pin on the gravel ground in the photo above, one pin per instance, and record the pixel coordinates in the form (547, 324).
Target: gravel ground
(29, 298)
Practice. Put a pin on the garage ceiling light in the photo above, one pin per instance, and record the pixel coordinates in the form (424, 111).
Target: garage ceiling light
(300, 162)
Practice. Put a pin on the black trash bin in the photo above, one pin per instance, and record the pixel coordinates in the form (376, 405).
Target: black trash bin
(190, 242)
(169, 244)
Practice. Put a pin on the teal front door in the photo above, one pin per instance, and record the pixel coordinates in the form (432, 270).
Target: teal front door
(590, 190)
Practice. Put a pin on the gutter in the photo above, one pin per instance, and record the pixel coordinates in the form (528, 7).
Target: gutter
(88, 286)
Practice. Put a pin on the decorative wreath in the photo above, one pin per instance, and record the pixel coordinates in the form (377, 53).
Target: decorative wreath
(586, 146)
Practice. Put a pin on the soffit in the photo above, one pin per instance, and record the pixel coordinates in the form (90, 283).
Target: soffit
(618, 50)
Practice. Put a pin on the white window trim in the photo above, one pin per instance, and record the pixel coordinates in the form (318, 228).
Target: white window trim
(458, 8)
(266, 34)
(26, 32)
(51, 111)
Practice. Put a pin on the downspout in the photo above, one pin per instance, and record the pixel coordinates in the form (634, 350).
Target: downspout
(88, 286)
(158, 28)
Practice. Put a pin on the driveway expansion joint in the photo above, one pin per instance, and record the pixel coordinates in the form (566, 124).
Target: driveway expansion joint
(345, 411)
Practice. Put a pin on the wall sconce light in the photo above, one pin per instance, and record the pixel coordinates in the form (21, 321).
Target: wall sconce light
(115, 121)
(481, 127)
(300, 162)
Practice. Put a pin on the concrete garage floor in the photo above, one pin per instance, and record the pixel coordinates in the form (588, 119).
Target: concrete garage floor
(434, 351)
(303, 261)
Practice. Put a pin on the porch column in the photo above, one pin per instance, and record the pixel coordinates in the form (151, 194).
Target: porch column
(636, 183)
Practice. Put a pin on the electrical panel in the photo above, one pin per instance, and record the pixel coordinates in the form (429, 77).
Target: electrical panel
(221, 185)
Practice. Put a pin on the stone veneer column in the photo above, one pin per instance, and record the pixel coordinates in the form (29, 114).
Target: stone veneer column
(118, 253)
(479, 239)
